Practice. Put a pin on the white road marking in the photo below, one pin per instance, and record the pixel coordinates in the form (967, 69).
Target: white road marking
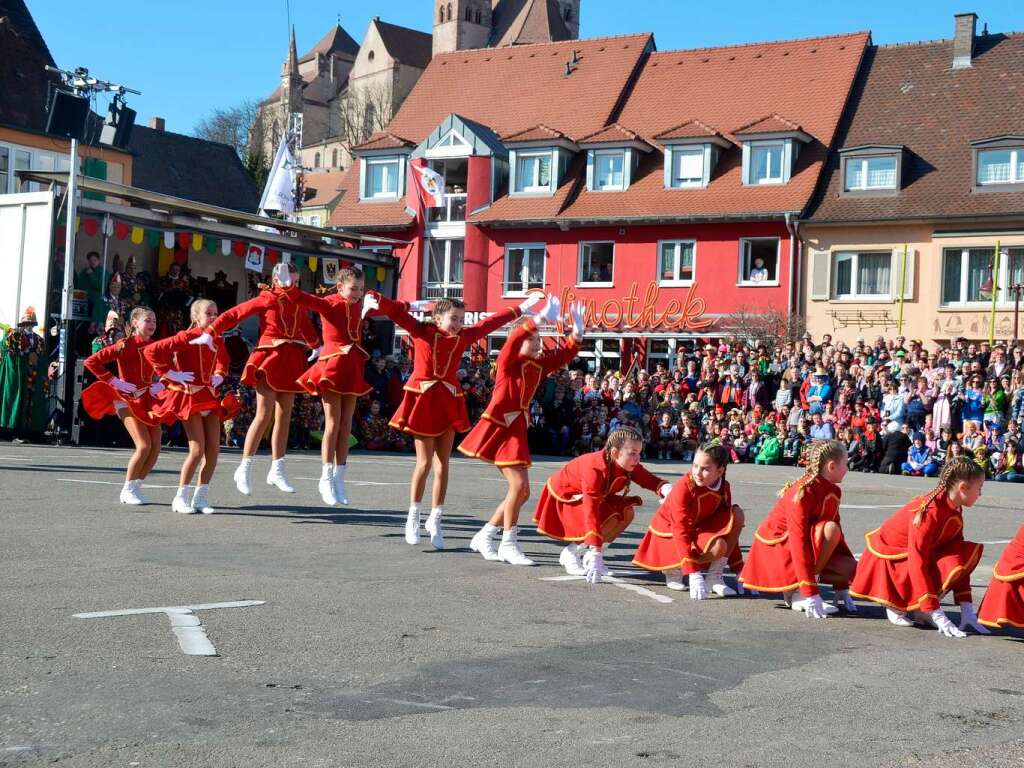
(665, 599)
(871, 506)
(185, 625)
(109, 482)
(349, 481)
(1000, 541)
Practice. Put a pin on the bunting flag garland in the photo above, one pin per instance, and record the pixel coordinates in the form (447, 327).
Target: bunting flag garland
(121, 230)
(183, 240)
(313, 263)
(225, 247)
(197, 242)
(153, 237)
(138, 233)
(273, 256)
(91, 227)
(168, 239)
(212, 246)
(239, 248)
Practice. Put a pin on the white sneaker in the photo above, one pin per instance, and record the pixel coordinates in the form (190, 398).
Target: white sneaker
(433, 526)
(200, 503)
(243, 477)
(510, 552)
(569, 558)
(716, 582)
(339, 483)
(276, 476)
(182, 503)
(412, 525)
(483, 542)
(130, 493)
(604, 556)
(899, 618)
(326, 487)
(674, 579)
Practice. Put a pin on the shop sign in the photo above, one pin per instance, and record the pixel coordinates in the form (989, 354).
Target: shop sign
(632, 312)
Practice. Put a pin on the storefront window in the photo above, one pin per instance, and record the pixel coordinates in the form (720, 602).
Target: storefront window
(600, 354)
(596, 263)
(524, 267)
(759, 261)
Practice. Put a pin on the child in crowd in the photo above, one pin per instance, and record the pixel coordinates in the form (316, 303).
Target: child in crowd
(920, 461)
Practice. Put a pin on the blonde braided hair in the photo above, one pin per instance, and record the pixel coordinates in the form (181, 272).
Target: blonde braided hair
(820, 453)
(617, 438)
(953, 471)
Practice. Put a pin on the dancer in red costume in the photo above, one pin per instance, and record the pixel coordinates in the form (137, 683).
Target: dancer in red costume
(919, 554)
(696, 527)
(500, 438)
(287, 337)
(586, 504)
(337, 376)
(129, 395)
(434, 408)
(1003, 605)
(801, 541)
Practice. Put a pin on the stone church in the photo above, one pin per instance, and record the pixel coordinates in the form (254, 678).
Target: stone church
(346, 90)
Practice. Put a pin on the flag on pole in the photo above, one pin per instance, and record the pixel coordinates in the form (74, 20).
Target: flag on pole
(432, 183)
(279, 193)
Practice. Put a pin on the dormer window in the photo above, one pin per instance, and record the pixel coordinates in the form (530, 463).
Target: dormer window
(871, 170)
(613, 154)
(770, 149)
(383, 160)
(766, 159)
(533, 172)
(609, 169)
(999, 164)
(687, 165)
(691, 153)
(538, 159)
(381, 179)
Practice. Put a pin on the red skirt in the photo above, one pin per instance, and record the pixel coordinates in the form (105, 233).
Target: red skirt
(173, 405)
(431, 413)
(497, 444)
(769, 565)
(100, 399)
(338, 373)
(1004, 602)
(280, 367)
(887, 580)
(659, 551)
(564, 520)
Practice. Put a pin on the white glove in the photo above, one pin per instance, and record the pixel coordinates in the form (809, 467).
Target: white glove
(121, 385)
(370, 303)
(551, 311)
(216, 380)
(316, 352)
(946, 627)
(421, 305)
(814, 607)
(969, 620)
(526, 305)
(203, 338)
(156, 388)
(180, 377)
(283, 275)
(593, 562)
(665, 490)
(698, 589)
(576, 311)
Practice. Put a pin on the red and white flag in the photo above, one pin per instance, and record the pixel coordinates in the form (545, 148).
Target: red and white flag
(432, 183)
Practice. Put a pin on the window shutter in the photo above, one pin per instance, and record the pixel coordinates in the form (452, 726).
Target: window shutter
(821, 275)
(513, 163)
(746, 163)
(590, 170)
(897, 262)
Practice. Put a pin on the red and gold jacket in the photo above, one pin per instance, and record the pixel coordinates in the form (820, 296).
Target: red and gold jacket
(175, 353)
(282, 319)
(792, 522)
(342, 326)
(132, 365)
(682, 512)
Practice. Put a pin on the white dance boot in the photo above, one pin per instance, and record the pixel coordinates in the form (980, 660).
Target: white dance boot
(412, 525)
(716, 582)
(276, 476)
(674, 579)
(131, 494)
(899, 618)
(243, 476)
(483, 542)
(326, 486)
(200, 502)
(569, 558)
(433, 526)
(182, 503)
(510, 551)
(339, 483)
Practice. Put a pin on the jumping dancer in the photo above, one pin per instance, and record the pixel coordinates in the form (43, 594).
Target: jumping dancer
(337, 376)
(920, 553)
(287, 337)
(434, 408)
(500, 438)
(129, 395)
(586, 503)
(801, 541)
(696, 527)
(193, 374)
(1004, 602)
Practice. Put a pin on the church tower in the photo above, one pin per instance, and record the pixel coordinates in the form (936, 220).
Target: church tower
(291, 82)
(461, 24)
(569, 10)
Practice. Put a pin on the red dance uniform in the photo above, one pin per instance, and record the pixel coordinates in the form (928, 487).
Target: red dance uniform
(582, 495)
(340, 366)
(101, 399)
(907, 567)
(1004, 602)
(685, 526)
(788, 543)
(286, 337)
(180, 401)
(433, 401)
(500, 436)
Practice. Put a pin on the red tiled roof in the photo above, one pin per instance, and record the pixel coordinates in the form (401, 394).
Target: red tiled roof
(350, 212)
(613, 134)
(910, 96)
(691, 129)
(384, 140)
(409, 46)
(325, 188)
(509, 89)
(536, 133)
(772, 123)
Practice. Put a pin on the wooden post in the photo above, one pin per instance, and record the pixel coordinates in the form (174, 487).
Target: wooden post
(995, 297)
(903, 290)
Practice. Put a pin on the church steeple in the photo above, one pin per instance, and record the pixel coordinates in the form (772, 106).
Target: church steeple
(291, 80)
(461, 24)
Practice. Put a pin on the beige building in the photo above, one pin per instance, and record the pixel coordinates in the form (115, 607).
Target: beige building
(945, 191)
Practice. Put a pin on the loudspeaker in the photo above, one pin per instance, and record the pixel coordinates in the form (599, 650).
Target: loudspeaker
(67, 115)
(117, 128)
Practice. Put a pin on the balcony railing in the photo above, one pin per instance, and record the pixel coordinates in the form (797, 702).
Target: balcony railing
(453, 210)
(442, 291)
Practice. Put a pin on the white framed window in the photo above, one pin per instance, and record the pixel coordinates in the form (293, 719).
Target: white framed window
(5, 169)
(857, 275)
(600, 355)
(1001, 166)
(381, 177)
(444, 269)
(759, 261)
(533, 172)
(596, 264)
(676, 262)
(766, 159)
(610, 169)
(17, 158)
(524, 267)
(870, 173)
(687, 167)
(969, 276)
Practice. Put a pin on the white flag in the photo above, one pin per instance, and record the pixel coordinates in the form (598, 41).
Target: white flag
(432, 183)
(279, 193)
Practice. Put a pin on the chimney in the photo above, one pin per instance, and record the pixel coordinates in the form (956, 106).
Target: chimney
(963, 39)
(156, 123)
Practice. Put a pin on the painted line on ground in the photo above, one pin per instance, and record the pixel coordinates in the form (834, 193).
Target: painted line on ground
(351, 482)
(108, 482)
(664, 599)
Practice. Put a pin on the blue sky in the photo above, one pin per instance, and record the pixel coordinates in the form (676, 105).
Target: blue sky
(188, 57)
